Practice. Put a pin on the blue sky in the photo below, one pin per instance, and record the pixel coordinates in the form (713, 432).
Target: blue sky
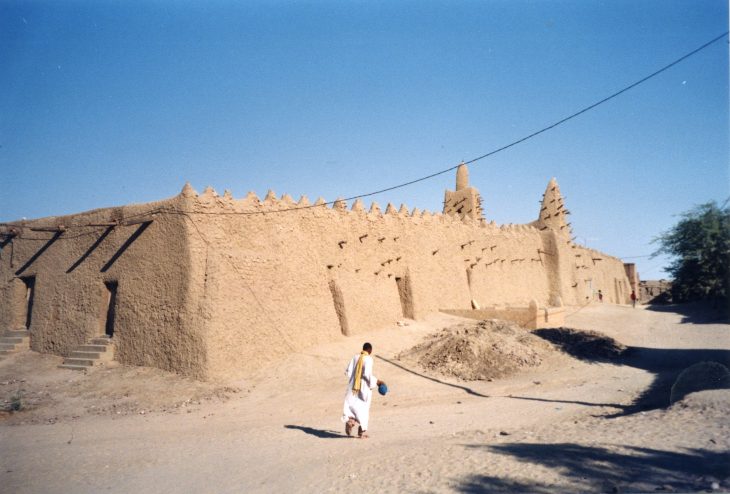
(109, 103)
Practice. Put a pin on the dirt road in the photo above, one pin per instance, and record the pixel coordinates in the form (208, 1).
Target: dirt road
(568, 425)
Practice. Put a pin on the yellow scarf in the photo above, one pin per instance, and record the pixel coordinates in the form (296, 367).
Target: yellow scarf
(358, 373)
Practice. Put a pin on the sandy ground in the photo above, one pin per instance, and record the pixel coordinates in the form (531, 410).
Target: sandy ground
(569, 425)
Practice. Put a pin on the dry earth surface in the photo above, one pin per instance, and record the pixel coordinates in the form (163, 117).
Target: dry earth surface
(563, 423)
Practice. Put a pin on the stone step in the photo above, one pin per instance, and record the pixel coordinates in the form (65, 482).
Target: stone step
(101, 341)
(92, 348)
(16, 332)
(11, 339)
(78, 361)
(73, 367)
(85, 355)
(6, 352)
(7, 346)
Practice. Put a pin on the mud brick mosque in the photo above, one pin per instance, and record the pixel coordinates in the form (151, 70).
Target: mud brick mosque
(212, 287)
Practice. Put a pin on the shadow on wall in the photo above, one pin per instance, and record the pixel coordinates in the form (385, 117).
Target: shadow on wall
(597, 469)
(38, 253)
(91, 249)
(139, 231)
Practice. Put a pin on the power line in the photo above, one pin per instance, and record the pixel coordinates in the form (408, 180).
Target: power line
(514, 143)
(604, 100)
(473, 160)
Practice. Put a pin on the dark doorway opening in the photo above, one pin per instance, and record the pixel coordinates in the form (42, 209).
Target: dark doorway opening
(109, 307)
(29, 282)
(406, 296)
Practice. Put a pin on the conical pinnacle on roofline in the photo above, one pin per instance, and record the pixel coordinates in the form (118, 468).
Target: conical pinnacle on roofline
(252, 198)
(551, 214)
(339, 204)
(287, 200)
(270, 197)
(188, 191)
(209, 192)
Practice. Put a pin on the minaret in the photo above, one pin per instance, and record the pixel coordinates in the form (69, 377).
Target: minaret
(462, 177)
(553, 214)
(465, 201)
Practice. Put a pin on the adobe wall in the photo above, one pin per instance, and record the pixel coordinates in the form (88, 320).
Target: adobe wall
(520, 315)
(149, 263)
(276, 283)
(633, 276)
(655, 291)
(530, 317)
(593, 271)
(213, 287)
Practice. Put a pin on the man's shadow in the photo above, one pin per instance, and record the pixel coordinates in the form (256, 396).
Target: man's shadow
(322, 434)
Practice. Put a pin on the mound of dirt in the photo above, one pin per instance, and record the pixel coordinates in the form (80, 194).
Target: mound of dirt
(482, 350)
(583, 344)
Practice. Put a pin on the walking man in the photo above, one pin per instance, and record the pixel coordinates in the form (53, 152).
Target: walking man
(361, 382)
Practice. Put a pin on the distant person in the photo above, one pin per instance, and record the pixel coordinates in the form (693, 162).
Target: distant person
(361, 382)
(600, 296)
(633, 299)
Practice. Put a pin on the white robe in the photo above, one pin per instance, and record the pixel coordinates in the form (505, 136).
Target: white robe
(357, 405)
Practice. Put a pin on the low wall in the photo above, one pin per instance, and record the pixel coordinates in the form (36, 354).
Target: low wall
(528, 317)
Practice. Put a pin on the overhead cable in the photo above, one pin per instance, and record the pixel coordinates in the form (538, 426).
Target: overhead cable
(514, 143)
(473, 160)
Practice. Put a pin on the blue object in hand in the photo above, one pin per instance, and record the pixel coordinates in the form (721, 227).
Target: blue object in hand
(383, 389)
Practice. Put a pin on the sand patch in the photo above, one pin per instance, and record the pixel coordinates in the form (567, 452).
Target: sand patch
(33, 390)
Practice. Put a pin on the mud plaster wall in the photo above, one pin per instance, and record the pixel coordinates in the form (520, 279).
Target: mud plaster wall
(152, 323)
(532, 317)
(593, 271)
(649, 289)
(633, 276)
(520, 315)
(272, 284)
(212, 291)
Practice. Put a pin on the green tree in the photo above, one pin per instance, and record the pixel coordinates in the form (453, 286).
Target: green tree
(700, 246)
